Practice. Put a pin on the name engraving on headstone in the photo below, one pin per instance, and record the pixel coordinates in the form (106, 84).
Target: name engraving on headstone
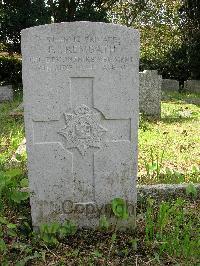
(76, 53)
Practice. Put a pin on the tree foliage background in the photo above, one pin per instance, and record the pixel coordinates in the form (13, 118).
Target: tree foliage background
(170, 34)
(16, 15)
(190, 24)
(170, 30)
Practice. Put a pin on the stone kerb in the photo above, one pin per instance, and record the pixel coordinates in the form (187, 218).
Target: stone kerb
(192, 86)
(170, 85)
(81, 87)
(165, 192)
(6, 93)
(150, 93)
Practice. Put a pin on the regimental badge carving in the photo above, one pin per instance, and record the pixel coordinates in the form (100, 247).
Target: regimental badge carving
(82, 130)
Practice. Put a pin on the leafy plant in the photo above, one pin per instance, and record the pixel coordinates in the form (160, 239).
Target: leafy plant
(27, 259)
(119, 208)
(67, 229)
(10, 187)
(8, 231)
(51, 233)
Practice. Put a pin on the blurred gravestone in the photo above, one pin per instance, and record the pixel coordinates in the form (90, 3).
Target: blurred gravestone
(192, 86)
(80, 84)
(170, 85)
(6, 93)
(150, 93)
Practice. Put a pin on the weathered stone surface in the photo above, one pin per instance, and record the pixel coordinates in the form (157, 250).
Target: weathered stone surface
(192, 85)
(80, 84)
(170, 85)
(150, 93)
(6, 93)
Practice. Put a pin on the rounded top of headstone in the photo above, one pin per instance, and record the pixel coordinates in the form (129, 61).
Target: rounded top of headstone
(56, 27)
(148, 71)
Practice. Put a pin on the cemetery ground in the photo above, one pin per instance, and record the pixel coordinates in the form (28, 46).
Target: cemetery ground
(167, 233)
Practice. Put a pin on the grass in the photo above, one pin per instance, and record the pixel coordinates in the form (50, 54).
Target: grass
(167, 234)
(169, 148)
(11, 131)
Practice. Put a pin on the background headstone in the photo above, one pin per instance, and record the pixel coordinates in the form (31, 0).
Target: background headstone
(150, 93)
(80, 85)
(192, 85)
(6, 93)
(170, 85)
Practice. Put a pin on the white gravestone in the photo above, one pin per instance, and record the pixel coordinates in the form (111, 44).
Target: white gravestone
(81, 112)
(150, 93)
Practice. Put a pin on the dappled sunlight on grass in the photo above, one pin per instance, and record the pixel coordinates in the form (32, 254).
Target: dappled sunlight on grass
(11, 130)
(175, 138)
(166, 232)
(176, 134)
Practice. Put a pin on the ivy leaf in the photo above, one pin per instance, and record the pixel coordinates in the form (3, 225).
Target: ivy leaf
(18, 196)
(14, 172)
(3, 246)
(119, 208)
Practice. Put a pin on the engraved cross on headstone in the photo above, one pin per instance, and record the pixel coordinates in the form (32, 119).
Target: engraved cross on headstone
(82, 130)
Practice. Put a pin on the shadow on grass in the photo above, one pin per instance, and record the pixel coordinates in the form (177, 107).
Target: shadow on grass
(181, 98)
(173, 120)
(148, 122)
(194, 101)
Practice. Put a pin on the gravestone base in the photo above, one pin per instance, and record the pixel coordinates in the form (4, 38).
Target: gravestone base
(85, 215)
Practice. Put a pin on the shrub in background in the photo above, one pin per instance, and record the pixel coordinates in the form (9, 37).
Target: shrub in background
(10, 70)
